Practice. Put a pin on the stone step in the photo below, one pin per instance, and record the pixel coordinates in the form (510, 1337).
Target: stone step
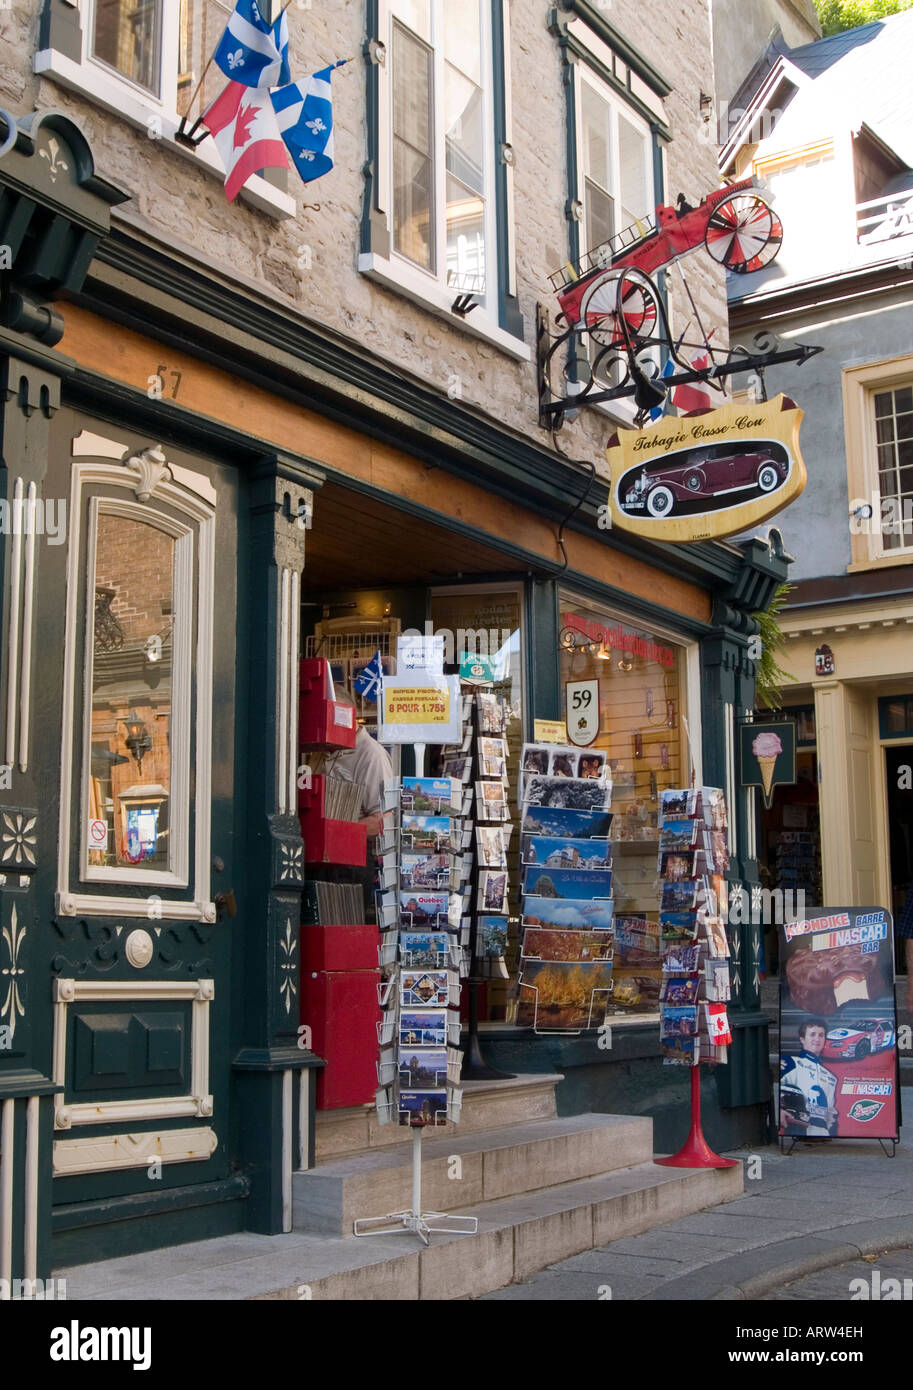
(492, 1164)
(486, 1105)
(517, 1236)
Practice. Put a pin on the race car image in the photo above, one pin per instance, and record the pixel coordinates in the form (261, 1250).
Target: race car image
(863, 1038)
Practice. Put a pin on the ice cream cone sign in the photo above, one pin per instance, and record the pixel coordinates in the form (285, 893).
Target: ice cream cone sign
(768, 756)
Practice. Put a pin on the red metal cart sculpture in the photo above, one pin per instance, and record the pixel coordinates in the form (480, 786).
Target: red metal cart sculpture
(739, 229)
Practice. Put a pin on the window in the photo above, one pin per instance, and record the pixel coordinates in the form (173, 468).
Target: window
(440, 191)
(142, 60)
(894, 444)
(878, 417)
(615, 161)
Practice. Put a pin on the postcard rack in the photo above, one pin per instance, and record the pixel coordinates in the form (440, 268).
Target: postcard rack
(567, 949)
(424, 934)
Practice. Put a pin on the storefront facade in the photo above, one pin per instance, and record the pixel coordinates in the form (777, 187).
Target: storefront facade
(234, 474)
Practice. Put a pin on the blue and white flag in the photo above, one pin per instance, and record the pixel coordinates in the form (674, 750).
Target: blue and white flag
(659, 411)
(252, 51)
(368, 680)
(304, 111)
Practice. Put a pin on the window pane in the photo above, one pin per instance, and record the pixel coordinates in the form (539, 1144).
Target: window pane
(595, 117)
(465, 234)
(632, 154)
(413, 226)
(883, 403)
(600, 215)
(412, 113)
(201, 26)
(129, 783)
(463, 37)
(463, 117)
(416, 14)
(903, 399)
(127, 38)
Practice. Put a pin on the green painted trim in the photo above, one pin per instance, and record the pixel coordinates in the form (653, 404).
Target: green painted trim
(575, 249)
(582, 53)
(594, 19)
(543, 680)
(271, 1059)
(25, 1082)
(375, 235)
(509, 315)
(73, 1216)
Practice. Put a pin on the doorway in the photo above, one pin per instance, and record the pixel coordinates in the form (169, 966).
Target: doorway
(898, 765)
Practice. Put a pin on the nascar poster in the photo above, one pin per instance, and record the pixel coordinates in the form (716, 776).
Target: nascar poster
(838, 1026)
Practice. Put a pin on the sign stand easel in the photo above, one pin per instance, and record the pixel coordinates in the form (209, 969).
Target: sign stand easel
(415, 1220)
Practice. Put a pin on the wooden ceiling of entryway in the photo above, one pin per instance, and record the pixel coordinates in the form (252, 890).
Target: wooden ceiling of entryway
(360, 542)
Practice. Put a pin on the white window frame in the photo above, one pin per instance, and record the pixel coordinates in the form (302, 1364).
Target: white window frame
(425, 288)
(156, 115)
(94, 465)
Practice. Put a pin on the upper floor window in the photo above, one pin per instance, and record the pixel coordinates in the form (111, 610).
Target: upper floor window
(893, 416)
(440, 220)
(615, 159)
(127, 36)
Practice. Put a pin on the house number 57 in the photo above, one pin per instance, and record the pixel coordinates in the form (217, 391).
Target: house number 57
(157, 384)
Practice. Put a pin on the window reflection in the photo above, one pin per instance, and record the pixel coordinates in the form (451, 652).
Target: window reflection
(130, 771)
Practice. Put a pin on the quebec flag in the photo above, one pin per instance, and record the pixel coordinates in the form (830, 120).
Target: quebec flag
(304, 111)
(251, 51)
(368, 680)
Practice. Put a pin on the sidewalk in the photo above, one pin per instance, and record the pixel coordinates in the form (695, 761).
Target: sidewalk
(819, 1207)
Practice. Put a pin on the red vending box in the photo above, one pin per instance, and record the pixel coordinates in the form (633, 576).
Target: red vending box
(339, 946)
(322, 723)
(341, 1009)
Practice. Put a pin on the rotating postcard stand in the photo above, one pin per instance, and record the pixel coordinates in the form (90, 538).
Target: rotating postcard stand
(390, 1030)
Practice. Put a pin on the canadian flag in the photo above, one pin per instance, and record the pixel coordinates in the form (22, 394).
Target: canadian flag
(243, 124)
(694, 395)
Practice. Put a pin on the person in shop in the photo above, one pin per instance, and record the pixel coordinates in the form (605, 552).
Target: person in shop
(369, 765)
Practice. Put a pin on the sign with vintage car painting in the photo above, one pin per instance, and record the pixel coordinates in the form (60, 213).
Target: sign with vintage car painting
(704, 476)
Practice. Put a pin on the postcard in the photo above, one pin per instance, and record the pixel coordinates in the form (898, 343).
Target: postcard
(458, 768)
(419, 909)
(493, 757)
(424, 871)
(426, 949)
(678, 1021)
(717, 985)
(422, 1069)
(535, 758)
(680, 989)
(554, 853)
(492, 892)
(423, 987)
(568, 914)
(678, 805)
(715, 932)
(423, 1107)
(681, 958)
(563, 823)
(423, 1028)
(491, 713)
(679, 834)
(719, 851)
(491, 936)
(540, 944)
(563, 762)
(435, 796)
(684, 895)
(490, 846)
(567, 883)
(592, 764)
(677, 866)
(637, 941)
(679, 926)
(564, 994)
(679, 1051)
(429, 833)
(491, 801)
(576, 794)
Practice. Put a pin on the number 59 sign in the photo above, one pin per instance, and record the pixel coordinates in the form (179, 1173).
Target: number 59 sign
(582, 711)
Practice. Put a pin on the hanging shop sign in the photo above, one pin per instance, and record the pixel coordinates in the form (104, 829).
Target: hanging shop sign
(421, 707)
(838, 1025)
(767, 756)
(709, 475)
(581, 708)
(824, 661)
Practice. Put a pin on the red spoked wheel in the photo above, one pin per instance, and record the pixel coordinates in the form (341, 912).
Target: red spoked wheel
(600, 310)
(744, 234)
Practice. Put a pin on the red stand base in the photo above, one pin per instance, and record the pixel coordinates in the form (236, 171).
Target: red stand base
(696, 1152)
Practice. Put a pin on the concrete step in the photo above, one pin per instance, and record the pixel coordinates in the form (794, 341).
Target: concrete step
(493, 1164)
(486, 1105)
(517, 1236)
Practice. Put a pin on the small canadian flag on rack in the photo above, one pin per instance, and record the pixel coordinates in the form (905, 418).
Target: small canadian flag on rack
(717, 1024)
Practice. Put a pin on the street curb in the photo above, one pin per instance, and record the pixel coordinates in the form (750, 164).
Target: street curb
(786, 1261)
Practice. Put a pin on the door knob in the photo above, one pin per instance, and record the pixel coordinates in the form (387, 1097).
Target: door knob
(227, 902)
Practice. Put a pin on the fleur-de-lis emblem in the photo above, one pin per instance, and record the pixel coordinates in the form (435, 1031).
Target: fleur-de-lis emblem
(13, 1004)
(17, 839)
(55, 166)
(236, 59)
(316, 125)
(287, 966)
(306, 154)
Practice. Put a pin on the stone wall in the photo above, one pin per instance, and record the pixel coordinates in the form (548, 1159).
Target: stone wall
(178, 203)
